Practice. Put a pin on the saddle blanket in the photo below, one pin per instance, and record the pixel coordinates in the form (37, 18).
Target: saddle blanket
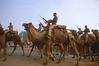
(61, 26)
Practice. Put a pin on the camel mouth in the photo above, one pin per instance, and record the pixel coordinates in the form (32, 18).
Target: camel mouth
(24, 28)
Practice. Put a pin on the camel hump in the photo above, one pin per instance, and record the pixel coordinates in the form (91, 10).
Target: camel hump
(92, 36)
(60, 27)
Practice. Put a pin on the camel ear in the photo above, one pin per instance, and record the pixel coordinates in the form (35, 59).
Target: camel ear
(23, 24)
(30, 24)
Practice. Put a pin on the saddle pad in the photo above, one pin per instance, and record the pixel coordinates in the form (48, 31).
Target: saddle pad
(61, 26)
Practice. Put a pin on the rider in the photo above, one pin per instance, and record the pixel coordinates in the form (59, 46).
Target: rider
(0, 25)
(95, 32)
(80, 31)
(54, 20)
(10, 28)
(86, 31)
(40, 27)
(1, 29)
(52, 24)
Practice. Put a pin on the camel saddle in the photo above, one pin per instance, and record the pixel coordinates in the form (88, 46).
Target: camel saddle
(61, 27)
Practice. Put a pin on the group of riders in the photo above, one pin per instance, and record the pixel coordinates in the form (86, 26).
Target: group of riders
(50, 25)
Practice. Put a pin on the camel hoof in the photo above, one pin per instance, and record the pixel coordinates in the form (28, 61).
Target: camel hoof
(28, 56)
(76, 65)
(45, 63)
(41, 57)
(52, 58)
(10, 55)
(58, 62)
(23, 55)
(80, 59)
(97, 61)
(85, 57)
(4, 59)
(73, 57)
(92, 60)
(57, 54)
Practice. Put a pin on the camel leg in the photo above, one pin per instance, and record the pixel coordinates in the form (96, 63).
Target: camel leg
(5, 54)
(47, 57)
(41, 53)
(0, 48)
(77, 53)
(13, 50)
(49, 48)
(85, 53)
(9, 44)
(48, 52)
(91, 54)
(31, 51)
(40, 50)
(61, 52)
(22, 48)
(46, 60)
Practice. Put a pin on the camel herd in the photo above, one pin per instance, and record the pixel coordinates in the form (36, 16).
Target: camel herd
(66, 42)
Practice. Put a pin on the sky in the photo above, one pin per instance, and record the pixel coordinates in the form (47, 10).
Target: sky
(71, 13)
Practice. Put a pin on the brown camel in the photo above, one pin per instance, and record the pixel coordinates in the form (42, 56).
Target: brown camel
(13, 36)
(3, 44)
(95, 47)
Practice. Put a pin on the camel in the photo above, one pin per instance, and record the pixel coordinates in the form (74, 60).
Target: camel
(95, 47)
(40, 40)
(16, 40)
(3, 44)
(79, 42)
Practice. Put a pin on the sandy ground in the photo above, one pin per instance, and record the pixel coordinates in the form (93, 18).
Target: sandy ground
(18, 60)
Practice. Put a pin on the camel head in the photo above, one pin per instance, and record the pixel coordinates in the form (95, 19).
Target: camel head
(30, 25)
(95, 31)
(25, 25)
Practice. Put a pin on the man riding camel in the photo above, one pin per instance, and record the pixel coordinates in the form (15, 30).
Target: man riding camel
(1, 29)
(10, 27)
(10, 30)
(86, 31)
(40, 27)
(80, 31)
(51, 24)
(54, 20)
